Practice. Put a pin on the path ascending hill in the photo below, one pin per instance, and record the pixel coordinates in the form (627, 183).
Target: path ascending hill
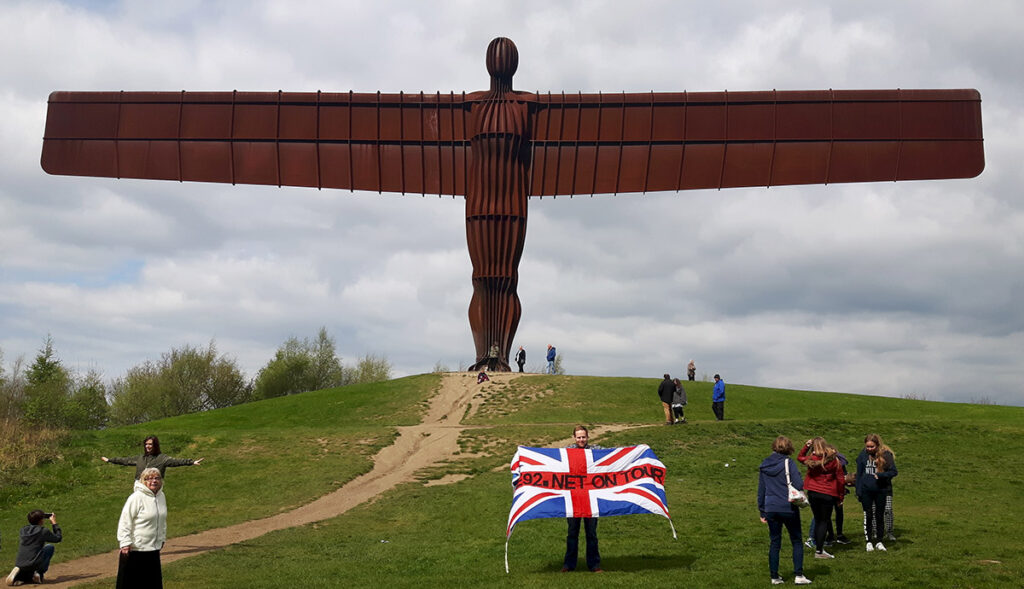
(417, 446)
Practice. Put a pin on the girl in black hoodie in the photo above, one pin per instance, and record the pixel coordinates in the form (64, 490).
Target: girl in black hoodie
(876, 468)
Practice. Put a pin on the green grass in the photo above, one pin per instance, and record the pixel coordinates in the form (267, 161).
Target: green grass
(957, 499)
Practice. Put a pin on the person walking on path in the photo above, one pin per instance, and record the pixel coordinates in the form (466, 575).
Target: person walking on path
(141, 533)
(718, 398)
(666, 390)
(777, 511)
(581, 439)
(824, 485)
(691, 371)
(35, 549)
(678, 402)
(551, 359)
(151, 458)
(521, 358)
(876, 467)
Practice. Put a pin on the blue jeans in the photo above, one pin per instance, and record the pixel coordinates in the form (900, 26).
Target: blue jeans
(551, 366)
(25, 574)
(777, 519)
(572, 542)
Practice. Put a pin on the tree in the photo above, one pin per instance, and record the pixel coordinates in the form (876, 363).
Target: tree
(47, 389)
(300, 366)
(136, 395)
(12, 388)
(87, 408)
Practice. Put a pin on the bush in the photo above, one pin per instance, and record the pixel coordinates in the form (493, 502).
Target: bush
(186, 380)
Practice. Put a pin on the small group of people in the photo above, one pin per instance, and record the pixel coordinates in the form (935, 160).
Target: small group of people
(673, 397)
(673, 400)
(824, 487)
(141, 529)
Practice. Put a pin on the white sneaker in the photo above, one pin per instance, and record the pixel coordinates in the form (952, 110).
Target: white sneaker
(880, 546)
(869, 547)
(823, 554)
(809, 543)
(777, 581)
(801, 580)
(10, 577)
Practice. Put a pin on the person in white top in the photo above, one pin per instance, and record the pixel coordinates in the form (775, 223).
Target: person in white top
(142, 532)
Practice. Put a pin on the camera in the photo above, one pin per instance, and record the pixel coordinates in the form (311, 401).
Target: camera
(47, 515)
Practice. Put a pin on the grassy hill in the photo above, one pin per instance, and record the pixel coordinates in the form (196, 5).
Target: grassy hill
(957, 499)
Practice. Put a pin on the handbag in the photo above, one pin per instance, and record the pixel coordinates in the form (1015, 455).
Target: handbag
(796, 497)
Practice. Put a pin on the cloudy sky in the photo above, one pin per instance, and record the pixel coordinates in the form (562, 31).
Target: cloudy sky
(890, 289)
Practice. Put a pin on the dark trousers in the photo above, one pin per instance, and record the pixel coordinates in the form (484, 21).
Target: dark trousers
(822, 505)
(874, 516)
(25, 574)
(719, 408)
(520, 365)
(139, 570)
(791, 520)
(572, 542)
(830, 534)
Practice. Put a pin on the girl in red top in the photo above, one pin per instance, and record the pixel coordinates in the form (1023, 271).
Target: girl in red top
(823, 484)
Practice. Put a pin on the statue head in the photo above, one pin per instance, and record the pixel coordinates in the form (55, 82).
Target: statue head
(502, 62)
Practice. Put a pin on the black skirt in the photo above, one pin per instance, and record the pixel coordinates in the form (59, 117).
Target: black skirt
(139, 570)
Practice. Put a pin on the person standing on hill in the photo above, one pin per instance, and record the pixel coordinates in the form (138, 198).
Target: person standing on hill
(35, 549)
(691, 371)
(141, 533)
(777, 511)
(824, 485)
(665, 392)
(521, 358)
(581, 439)
(151, 458)
(876, 467)
(718, 398)
(678, 401)
(551, 359)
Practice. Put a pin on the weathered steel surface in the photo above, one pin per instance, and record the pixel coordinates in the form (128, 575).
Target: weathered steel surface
(498, 147)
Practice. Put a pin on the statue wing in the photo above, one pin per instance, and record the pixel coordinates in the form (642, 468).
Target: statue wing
(413, 143)
(611, 143)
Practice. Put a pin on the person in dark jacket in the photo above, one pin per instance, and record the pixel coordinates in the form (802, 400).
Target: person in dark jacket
(876, 468)
(777, 511)
(151, 458)
(521, 358)
(678, 401)
(666, 389)
(35, 549)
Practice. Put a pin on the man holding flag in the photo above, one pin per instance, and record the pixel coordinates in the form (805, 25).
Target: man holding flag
(581, 437)
(582, 483)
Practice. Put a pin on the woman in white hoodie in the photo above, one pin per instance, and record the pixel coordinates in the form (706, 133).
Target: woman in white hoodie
(141, 533)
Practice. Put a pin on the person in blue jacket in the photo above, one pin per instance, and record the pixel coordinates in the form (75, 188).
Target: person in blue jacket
(551, 359)
(777, 511)
(718, 398)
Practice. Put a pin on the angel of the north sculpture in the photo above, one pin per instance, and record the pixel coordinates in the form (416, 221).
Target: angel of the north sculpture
(500, 146)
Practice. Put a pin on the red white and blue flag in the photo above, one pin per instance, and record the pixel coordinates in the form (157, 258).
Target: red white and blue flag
(593, 482)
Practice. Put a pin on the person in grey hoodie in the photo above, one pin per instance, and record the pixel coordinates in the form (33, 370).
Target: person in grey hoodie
(151, 458)
(34, 552)
(777, 511)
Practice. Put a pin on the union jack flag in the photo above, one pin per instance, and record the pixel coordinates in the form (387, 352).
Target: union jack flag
(577, 482)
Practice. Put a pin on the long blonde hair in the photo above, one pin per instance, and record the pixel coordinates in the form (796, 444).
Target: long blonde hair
(823, 450)
(880, 450)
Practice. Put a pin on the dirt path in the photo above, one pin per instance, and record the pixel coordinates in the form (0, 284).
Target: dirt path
(417, 447)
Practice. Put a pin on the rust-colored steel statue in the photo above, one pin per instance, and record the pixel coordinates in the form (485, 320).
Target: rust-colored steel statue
(498, 147)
